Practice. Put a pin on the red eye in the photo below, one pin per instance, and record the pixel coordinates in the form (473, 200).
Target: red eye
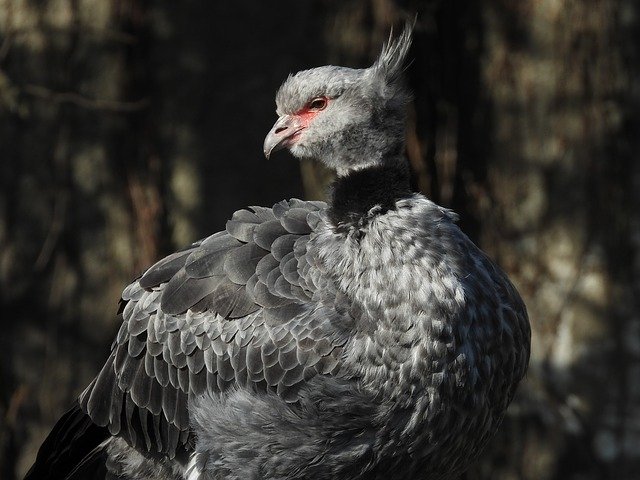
(317, 104)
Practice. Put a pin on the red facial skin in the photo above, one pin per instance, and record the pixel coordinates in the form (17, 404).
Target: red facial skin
(289, 127)
(305, 115)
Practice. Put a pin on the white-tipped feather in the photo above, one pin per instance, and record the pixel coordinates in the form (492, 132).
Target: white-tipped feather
(194, 467)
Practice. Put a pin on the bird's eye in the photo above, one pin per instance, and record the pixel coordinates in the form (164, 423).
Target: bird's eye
(317, 104)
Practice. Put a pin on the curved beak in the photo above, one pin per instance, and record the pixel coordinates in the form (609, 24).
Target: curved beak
(281, 134)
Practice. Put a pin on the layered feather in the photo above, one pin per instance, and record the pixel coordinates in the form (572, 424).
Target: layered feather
(233, 309)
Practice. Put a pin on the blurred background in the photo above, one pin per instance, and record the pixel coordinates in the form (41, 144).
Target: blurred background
(129, 128)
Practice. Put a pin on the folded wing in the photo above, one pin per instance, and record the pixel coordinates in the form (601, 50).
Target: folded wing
(238, 308)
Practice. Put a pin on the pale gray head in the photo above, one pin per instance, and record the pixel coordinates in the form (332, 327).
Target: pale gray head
(347, 118)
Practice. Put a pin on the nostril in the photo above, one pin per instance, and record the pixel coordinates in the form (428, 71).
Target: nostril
(281, 129)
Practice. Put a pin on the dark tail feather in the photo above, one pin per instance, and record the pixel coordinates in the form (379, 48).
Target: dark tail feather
(71, 450)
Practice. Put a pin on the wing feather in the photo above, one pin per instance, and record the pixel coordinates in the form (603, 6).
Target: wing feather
(195, 361)
(234, 308)
(240, 263)
(162, 271)
(294, 220)
(141, 387)
(268, 232)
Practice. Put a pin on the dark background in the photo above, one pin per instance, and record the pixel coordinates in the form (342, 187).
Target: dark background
(129, 128)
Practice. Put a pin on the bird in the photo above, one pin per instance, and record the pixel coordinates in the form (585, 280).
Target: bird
(363, 338)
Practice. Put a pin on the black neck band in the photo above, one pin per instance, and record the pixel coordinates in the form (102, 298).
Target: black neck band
(355, 194)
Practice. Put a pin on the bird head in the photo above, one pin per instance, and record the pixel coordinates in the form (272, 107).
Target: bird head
(348, 119)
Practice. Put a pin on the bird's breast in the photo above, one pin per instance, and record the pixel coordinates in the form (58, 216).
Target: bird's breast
(407, 299)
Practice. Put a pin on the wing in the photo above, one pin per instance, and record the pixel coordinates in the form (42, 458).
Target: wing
(240, 307)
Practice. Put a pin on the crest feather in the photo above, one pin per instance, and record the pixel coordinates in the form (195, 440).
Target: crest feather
(391, 62)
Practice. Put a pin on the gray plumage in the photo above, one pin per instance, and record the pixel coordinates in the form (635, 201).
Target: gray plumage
(367, 338)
